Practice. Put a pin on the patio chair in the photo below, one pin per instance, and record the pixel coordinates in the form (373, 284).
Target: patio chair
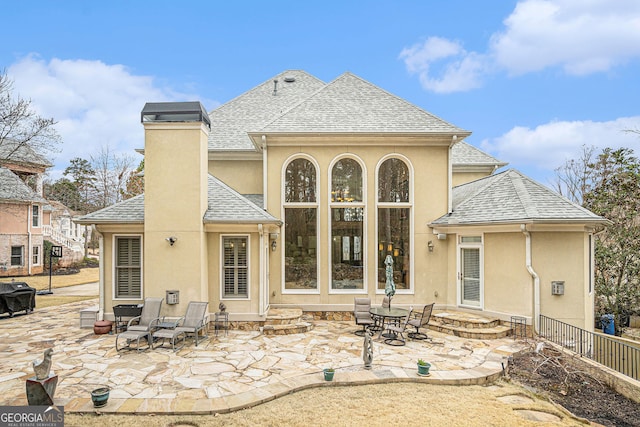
(421, 321)
(194, 320)
(397, 338)
(149, 317)
(362, 315)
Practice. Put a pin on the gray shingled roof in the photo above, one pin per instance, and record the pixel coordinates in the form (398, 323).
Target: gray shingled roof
(13, 189)
(351, 104)
(510, 197)
(463, 154)
(257, 107)
(225, 206)
(21, 153)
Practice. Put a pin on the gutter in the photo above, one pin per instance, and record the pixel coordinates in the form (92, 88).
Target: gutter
(534, 275)
(101, 272)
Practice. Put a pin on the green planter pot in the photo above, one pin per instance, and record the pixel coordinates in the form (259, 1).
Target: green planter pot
(100, 396)
(423, 370)
(328, 374)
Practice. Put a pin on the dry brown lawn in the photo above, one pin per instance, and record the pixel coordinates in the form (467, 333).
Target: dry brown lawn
(86, 275)
(386, 405)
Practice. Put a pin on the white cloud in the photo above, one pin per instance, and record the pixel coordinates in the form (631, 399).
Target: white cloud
(581, 36)
(462, 72)
(548, 146)
(95, 104)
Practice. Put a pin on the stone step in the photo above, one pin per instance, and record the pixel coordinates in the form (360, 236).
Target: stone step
(479, 333)
(460, 319)
(287, 329)
(283, 316)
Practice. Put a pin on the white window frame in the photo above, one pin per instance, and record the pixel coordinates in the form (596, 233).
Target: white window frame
(408, 205)
(470, 245)
(222, 267)
(35, 216)
(285, 205)
(114, 265)
(37, 253)
(339, 205)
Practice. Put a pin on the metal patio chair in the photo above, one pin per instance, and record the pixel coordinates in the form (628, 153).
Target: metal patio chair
(195, 320)
(421, 321)
(397, 338)
(362, 315)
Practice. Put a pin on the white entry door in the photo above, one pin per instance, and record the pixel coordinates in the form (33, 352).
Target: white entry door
(471, 271)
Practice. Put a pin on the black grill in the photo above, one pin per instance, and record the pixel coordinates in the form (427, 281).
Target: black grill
(16, 296)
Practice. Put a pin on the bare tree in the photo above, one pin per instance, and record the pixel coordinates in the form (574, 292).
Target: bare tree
(20, 125)
(577, 177)
(111, 173)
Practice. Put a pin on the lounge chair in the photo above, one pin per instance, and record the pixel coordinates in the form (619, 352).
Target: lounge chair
(421, 321)
(362, 315)
(194, 320)
(140, 327)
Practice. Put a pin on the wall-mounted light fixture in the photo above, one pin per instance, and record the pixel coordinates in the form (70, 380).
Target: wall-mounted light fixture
(274, 239)
(171, 240)
(430, 245)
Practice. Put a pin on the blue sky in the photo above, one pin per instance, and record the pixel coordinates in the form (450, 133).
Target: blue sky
(534, 80)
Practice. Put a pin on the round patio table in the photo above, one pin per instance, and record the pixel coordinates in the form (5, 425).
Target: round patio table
(393, 314)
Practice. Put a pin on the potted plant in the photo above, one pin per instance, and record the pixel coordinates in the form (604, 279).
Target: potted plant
(328, 374)
(423, 368)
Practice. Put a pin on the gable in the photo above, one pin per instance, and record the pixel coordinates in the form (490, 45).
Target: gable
(13, 189)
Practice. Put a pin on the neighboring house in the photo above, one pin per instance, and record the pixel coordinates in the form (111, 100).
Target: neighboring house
(22, 213)
(294, 193)
(64, 231)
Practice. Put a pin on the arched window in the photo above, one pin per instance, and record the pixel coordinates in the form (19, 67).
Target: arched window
(300, 226)
(394, 222)
(347, 226)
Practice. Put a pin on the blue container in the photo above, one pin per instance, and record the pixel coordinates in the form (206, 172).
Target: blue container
(608, 326)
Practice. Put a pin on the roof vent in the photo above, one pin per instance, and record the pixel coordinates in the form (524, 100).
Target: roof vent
(275, 87)
(289, 79)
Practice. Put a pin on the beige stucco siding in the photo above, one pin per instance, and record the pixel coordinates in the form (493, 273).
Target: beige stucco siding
(244, 176)
(460, 178)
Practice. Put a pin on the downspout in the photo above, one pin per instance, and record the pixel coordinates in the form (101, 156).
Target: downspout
(264, 172)
(262, 275)
(29, 247)
(534, 275)
(454, 139)
(101, 287)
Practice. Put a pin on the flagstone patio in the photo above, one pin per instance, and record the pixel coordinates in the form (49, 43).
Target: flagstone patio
(225, 372)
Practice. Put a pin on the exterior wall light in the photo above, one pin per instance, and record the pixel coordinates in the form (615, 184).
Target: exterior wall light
(274, 245)
(430, 245)
(274, 238)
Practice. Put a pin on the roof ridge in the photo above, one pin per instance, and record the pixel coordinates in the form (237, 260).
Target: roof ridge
(489, 180)
(522, 193)
(235, 193)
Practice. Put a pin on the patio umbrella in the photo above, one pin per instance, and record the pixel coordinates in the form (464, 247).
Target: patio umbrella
(389, 287)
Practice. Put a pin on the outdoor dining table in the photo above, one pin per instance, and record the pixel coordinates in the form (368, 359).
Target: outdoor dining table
(391, 313)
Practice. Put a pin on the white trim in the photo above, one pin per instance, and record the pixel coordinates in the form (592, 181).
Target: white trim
(472, 245)
(114, 263)
(409, 205)
(283, 206)
(341, 205)
(222, 266)
(39, 247)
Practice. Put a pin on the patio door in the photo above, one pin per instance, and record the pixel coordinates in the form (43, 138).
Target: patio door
(470, 272)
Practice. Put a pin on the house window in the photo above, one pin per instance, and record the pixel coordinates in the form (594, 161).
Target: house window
(35, 255)
(394, 222)
(300, 226)
(470, 267)
(347, 226)
(128, 267)
(236, 267)
(17, 254)
(35, 217)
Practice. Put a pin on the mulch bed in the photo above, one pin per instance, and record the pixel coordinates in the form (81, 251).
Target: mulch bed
(564, 379)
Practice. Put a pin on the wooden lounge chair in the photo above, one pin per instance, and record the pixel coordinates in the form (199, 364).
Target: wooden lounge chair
(194, 320)
(362, 315)
(421, 321)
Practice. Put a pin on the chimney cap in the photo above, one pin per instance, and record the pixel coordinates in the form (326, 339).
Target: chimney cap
(175, 112)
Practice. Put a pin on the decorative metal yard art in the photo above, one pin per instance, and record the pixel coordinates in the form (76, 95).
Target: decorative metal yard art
(367, 351)
(389, 287)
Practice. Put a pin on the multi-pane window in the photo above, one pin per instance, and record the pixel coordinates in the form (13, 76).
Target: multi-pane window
(347, 225)
(394, 222)
(17, 254)
(35, 255)
(301, 224)
(35, 217)
(128, 267)
(236, 268)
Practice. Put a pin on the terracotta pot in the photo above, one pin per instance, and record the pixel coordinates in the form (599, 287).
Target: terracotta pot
(102, 327)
